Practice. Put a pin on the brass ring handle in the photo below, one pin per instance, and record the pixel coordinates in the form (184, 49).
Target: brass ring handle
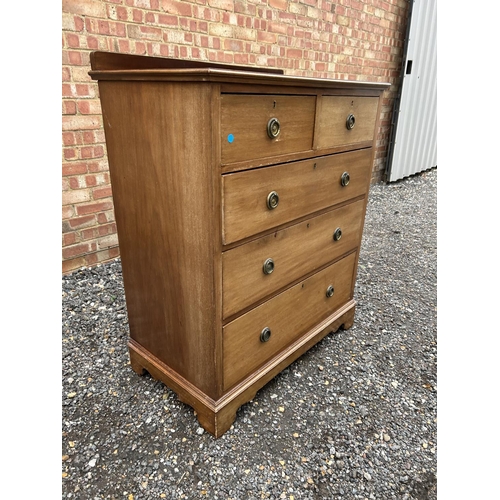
(272, 200)
(337, 234)
(273, 128)
(268, 266)
(329, 291)
(350, 122)
(345, 178)
(265, 334)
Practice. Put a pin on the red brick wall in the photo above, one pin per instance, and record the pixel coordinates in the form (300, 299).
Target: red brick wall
(346, 39)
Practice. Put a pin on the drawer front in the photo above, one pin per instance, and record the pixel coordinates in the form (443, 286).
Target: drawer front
(332, 127)
(244, 125)
(255, 270)
(301, 188)
(288, 316)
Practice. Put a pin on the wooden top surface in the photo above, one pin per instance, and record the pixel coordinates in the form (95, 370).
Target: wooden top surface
(114, 66)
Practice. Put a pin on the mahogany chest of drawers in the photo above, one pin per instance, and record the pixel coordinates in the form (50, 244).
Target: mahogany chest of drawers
(240, 197)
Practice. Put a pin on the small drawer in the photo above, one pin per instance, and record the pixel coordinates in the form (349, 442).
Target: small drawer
(260, 199)
(260, 334)
(261, 126)
(255, 270)
(344, 120)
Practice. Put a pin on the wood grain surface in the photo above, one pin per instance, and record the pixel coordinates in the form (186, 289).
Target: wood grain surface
(333, 111)
(166, 202)
(303, 187)
(288, 315)
(244, 118)
(296, 251)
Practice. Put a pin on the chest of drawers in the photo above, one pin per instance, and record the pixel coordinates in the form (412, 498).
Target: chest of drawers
(239, 198)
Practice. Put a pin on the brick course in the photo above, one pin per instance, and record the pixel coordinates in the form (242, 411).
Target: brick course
(347, 39)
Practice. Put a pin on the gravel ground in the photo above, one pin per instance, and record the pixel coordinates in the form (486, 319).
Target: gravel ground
(354, 418)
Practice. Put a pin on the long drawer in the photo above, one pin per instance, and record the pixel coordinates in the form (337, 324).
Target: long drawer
(260, 199)
(245, 120)
(255, 337)
(256, 269)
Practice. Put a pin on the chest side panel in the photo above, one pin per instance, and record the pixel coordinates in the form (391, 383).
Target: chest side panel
(166, 203)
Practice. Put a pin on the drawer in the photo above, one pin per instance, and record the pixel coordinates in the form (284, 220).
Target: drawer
(256, 269)
(300, 188)
(245, 119)
(332, 129)
(288, 316)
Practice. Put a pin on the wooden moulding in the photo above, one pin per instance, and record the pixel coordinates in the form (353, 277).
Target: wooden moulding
(106, 61)
(115, 66)
(216, 417)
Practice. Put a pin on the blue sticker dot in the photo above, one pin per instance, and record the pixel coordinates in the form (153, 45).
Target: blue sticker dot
(230, 138)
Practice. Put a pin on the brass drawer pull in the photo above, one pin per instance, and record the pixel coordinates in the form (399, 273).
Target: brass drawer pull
(265, 334)
(337, 234)
(345, 178)
(268, 266)
(329, 291)
(350, 122)
(272, 200)
(273, 128)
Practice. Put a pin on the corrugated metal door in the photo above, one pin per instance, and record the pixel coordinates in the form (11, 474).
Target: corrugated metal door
(413, 146)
